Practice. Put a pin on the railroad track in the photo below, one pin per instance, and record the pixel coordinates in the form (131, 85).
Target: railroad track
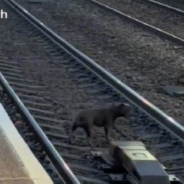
(30, 131)
(165, 22)
(68, 82)
(137, 53)
(161, 19)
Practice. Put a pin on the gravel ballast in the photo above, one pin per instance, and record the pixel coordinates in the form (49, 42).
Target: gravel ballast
(58, 86)
(140, 59)
(158, 17)
(175, 3)
(33, 61)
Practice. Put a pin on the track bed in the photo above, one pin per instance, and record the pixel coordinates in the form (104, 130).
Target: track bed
(54, 86)
(161, 18)
(140, 59)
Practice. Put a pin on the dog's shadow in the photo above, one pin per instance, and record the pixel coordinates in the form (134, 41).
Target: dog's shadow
(98, 138)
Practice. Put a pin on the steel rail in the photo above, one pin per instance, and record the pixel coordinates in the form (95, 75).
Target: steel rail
(155, 30)
(53, 155)
(164, 6)
(163, 119)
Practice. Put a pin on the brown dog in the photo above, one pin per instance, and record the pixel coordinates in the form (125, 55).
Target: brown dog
(104, 117)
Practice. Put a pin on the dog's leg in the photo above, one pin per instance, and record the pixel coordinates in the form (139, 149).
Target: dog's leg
(74, 127)
(107, 128)
(88, 130)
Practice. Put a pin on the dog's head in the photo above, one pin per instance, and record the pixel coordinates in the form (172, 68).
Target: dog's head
(125, 110)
